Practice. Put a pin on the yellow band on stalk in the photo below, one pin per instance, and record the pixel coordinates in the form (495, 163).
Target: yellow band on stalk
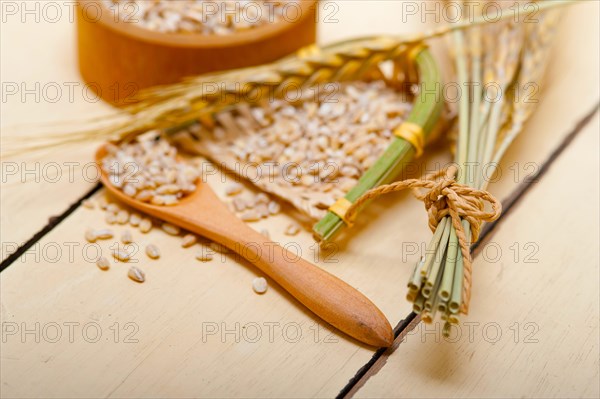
(412, 133)
(340, 208)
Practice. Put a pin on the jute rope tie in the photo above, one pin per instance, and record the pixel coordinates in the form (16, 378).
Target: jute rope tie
(443, 196)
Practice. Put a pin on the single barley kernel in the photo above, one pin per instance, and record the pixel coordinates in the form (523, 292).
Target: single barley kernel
(103, 263)
(171, 229)
(239, 204)
(87, 203)
(126, 237)
(136, 274)
(112, 208)
(135, 219)
(234, 189)
(261, 198)
(274, 208)
(292, 229)
(262, 210)
(215, 246)
(122, 216)
(145, 225)
(168, 189)
(204, 256)
(90, 235)
(121, 255)
(102, 202)
(259, 285)
(104, 234)
(152, 251)
(110, 218)
(250, 216)
(188, 240)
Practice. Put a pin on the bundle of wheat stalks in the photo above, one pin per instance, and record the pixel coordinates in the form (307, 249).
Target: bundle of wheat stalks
(509, 56)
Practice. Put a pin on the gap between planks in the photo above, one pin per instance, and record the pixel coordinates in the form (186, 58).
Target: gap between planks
(406, 325)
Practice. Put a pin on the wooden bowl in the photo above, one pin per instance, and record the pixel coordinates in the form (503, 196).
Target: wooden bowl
(117, 59)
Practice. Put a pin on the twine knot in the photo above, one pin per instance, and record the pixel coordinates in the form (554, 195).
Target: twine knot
(444, 197)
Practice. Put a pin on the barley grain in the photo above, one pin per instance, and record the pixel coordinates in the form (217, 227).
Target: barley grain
(103, 263)
(145, 225)
(126, 237)
(259, 285)
(102, 202)
(122, 217)
(250, 216)
(274, 208)
(136, 274)
(110, 218)
(90, 235)
(192, 16)
(188, 240)
(135, 219)
(104, 234)
(87, 203)
(292, 229)
(233, 189)
(152, 251)
(121, 254)
(239, 204)
(204, 256)
(171, 229)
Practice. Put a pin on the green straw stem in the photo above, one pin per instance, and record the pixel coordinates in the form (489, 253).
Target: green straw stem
(414, 284)
(457, 282)
(448, 276)
(433, 246)
(418, 304)
(437, 262)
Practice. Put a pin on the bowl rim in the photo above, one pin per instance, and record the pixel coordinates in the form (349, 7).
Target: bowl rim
(194, 40)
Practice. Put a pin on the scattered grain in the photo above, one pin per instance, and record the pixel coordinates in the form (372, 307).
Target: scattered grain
(104, 234)
(136, 274)
(292, 229)
(121, 255)
(126, 237)
(152, 251)
(204, 256)
(145, 225)
(87, 203)
(90, 235)
(103, 263)
(233, 189)
(135, 219)
(259, 285)
(171, 229)
(188, 240)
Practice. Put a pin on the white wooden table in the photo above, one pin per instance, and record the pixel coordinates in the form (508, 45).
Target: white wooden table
(198, 330)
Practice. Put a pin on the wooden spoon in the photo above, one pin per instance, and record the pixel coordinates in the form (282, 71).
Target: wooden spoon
(336, 302)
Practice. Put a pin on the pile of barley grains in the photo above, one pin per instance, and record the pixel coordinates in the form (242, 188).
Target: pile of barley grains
(311, 152)
(149, 171)
(223, 17)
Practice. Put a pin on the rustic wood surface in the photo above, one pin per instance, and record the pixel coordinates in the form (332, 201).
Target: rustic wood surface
(197, 329)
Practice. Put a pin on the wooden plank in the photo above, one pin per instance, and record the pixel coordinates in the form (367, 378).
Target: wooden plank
(41, 85)
(533, 327)
(182, 296)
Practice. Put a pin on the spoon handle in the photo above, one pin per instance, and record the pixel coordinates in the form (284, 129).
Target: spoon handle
(327, 296)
